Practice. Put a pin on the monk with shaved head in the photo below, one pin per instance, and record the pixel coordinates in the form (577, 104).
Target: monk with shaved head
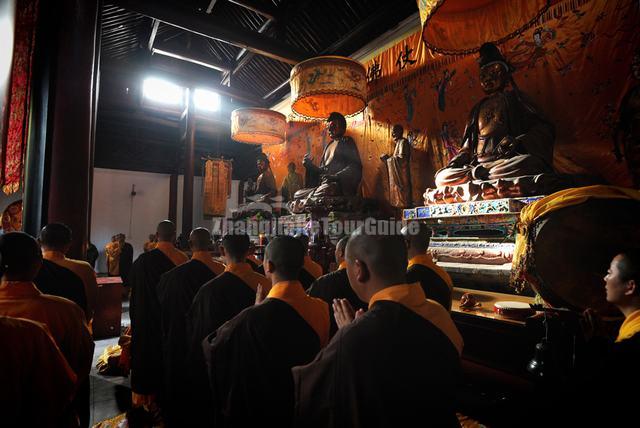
(435, 281)
(146, 336)
(19, 298)
(310, 270)
(335, 285)
(176, 291)
(251, 356)
(397, 363)
(217, 301)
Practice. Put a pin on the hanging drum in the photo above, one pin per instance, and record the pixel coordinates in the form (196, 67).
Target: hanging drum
(322, 85)
(258, 126)
(570, 249)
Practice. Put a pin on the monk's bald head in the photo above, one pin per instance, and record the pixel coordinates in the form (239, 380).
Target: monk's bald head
(418, 236)
(21, 256)
(284, 257)
(166, 231)
(236, 246)
(200, 239)
(55, 237)
(383, 258)
(304, 239)
(340, 249)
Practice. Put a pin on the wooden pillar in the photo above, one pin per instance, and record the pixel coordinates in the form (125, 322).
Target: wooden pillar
(71, 118)
(35, 205)
(173, 198)
(189, 160)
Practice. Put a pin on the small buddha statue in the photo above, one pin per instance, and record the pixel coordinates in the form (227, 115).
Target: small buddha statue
(265, 186)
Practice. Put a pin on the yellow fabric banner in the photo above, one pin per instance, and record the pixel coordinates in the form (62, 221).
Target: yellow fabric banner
(216, 187)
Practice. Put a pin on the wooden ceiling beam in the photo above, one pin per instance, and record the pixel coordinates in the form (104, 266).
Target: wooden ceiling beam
(350, 42)
(152, 36)
(193, 57)
(174, 71)
(215, 28)
(260, 8)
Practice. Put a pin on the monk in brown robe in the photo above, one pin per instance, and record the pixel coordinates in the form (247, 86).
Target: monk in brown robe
(176, 291)
(19, 298)
(55, 240)
(335, 285)
(217, 301)
(435, 281)
(37, 382)
(250, 357)
(506, 136)
(398, 363)
(311, 270)
(145, 311)
(399, 167)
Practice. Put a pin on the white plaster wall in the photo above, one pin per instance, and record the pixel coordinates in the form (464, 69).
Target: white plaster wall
(112, 207)
(115, 211)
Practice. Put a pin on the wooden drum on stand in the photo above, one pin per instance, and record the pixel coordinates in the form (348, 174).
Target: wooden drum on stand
(573, 247)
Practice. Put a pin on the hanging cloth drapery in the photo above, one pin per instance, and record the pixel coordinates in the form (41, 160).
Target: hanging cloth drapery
(217, 187)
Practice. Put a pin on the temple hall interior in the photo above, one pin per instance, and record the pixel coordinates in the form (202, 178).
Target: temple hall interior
(339, 213)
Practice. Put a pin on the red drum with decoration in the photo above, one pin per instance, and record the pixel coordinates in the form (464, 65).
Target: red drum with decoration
(322, 85)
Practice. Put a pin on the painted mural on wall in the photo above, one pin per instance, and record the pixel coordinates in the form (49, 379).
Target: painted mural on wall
(575, 63)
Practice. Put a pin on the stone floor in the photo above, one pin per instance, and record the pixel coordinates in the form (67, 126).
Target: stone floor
(110, 395)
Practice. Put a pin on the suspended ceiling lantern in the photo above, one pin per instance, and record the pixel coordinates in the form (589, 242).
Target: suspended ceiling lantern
(459, 27)
(258, 126)
(322, 85)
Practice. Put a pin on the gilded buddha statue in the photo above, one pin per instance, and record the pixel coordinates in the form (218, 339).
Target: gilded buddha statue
(507, 143)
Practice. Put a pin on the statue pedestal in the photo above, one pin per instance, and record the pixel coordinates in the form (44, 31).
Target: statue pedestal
(473, 241)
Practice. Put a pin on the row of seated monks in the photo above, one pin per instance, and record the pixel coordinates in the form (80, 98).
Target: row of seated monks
(218, 344)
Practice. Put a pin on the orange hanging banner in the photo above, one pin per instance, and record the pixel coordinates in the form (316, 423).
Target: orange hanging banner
(216, 187)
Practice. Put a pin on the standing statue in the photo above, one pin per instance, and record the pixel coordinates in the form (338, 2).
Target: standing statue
(399, 167)
(291, 184)
(340, 169)
(507, 146)
(628, 129)
(265, 186)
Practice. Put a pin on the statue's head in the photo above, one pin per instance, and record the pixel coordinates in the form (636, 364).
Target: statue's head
(291, 167)
(495, 72)
(635, 65)
(397, 131)
(262, 162)
(336, 125)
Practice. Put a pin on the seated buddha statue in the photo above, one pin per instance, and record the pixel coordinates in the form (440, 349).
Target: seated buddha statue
(506, 138)
(339, 172)
(265, 186)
